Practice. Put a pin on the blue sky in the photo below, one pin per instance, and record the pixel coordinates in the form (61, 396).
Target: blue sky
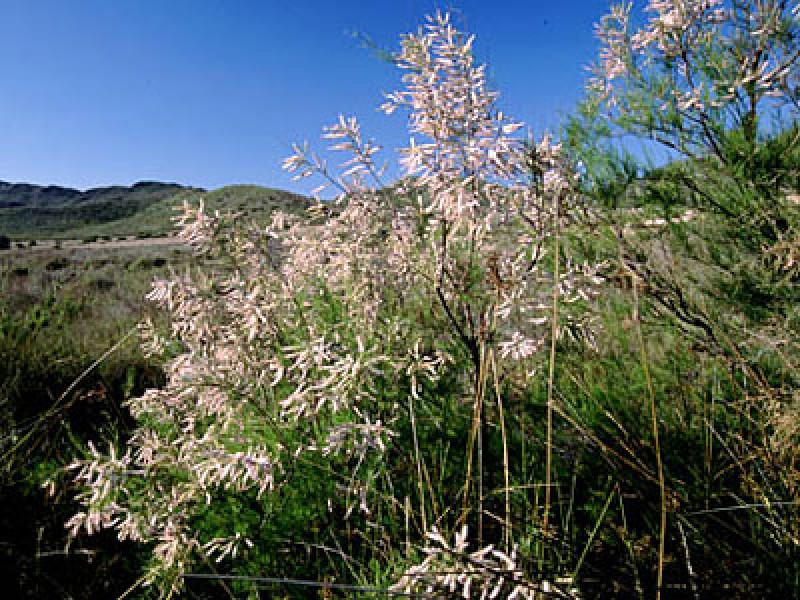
(213, 92)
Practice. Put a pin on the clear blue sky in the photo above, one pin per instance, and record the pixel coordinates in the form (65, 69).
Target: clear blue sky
(212, 92)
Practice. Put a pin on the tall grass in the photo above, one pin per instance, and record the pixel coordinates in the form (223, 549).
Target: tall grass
(59, 316)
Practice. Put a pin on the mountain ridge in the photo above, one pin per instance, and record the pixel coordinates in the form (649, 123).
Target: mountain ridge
(23, 194)
(31, 211)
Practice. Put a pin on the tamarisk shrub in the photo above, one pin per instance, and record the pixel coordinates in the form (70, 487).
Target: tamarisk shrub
(317, 339)
(696, 69)
(716, 83)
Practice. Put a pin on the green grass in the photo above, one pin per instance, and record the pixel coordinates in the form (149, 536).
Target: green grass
(61, 309)
(59, 312)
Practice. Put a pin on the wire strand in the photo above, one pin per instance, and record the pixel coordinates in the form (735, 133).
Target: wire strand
(303, 582)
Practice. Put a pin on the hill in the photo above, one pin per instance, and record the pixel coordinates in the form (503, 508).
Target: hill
(34, 212)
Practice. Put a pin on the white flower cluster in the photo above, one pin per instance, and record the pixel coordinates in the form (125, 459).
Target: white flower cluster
(452, 570)
(695, 67)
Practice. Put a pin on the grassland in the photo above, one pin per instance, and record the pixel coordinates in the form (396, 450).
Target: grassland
(61, 310)
(72, 297)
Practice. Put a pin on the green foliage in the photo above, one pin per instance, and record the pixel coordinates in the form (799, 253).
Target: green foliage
(713, 266)
(53, 326)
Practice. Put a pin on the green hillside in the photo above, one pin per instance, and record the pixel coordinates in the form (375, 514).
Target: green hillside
(144, 209)
(31, 211)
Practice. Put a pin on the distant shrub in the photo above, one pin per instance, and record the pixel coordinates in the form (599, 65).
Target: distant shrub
(5, 242)
(32, 243)
(102, 284)
(97, 263)
(147, 263)
(56, 264)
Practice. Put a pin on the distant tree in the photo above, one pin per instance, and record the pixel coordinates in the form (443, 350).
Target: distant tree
(5, 242)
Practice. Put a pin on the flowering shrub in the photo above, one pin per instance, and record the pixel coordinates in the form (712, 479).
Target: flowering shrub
(311, 339)
(485, 573)
(697, 68)
(377, 376)
(716, 83)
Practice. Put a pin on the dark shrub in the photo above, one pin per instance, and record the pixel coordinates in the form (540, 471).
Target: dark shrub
(56, 264)
(102, 284)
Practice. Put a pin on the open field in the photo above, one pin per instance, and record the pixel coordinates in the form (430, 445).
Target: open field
(66, 302)
(61, 310)
(75, 246)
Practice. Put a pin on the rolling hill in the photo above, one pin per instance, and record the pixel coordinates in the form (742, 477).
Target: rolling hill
(30, 211)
